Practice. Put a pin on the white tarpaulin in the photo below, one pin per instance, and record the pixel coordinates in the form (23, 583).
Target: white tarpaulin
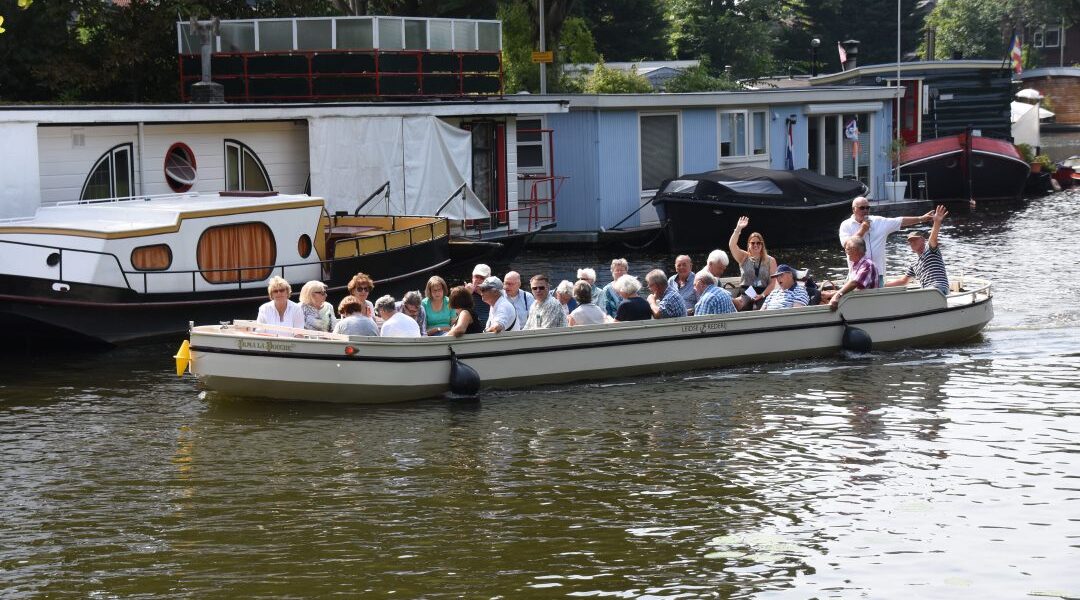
(1025, 124)
(424, 159)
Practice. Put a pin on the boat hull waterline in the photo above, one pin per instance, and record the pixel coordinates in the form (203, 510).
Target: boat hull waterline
(380, 370)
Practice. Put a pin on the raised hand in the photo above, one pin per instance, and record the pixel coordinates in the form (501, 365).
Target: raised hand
(743, 222)
(940, 213)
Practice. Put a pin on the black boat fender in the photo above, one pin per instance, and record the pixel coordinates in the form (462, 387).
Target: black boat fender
(855, 339)
(464, 380)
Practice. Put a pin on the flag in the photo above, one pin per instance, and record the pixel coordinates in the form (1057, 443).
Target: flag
(843, 55)
(790, 148)
(851, 132)
(1016, 54)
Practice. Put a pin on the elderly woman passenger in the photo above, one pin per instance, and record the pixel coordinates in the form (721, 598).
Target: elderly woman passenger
(586, 313)
(711, 299)
(461, 300)
(318, 314)
(353, 321)
(632, 307)
(360, 287)
(280, 310)
(564, 293)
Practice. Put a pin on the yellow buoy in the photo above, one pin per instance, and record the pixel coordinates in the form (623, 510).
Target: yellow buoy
(183, 358)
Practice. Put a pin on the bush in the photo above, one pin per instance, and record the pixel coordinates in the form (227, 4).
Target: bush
(1026, 153)
(604, 80)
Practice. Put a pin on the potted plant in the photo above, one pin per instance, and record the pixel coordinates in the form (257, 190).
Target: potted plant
(896, 190)
(1028, 156)
(1045, 164)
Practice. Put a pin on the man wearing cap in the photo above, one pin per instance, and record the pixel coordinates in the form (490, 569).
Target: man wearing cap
(875, 230)
(862, 276)
(502, 316)
(786, 293)
(928, 268)
(479, 273)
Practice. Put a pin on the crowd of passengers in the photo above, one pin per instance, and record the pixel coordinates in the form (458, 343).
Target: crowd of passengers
(489, 304)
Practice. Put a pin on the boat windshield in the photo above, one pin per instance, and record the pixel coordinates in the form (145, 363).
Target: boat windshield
(680, 186)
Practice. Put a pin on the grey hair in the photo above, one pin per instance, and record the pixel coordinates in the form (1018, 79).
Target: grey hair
(588, 274)
(565, 287)
(706, 276)
(620, 262)
(857, 198)
(385, 304)
(718, 256)
(583, 292)
(628, 285)
(656, 277)
(412, 298)
(858, 243)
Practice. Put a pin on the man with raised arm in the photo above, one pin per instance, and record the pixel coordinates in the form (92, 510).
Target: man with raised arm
(875, 230)
(928, 268)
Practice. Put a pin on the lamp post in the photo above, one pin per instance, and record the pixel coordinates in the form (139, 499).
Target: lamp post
(814, 43)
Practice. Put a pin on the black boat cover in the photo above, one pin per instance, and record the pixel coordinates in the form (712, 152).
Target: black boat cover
(737, 184)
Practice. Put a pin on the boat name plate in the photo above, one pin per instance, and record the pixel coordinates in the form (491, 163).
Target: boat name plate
(704, 327)
(265, 345)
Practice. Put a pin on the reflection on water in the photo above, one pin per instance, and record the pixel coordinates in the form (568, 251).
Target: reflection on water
(933, 473)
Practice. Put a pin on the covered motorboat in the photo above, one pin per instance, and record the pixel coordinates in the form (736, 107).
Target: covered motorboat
(112, 271)
(787, 207)
(247, 359)
(963, 167)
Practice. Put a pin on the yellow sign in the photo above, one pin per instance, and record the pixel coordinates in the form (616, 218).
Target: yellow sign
(543, 57)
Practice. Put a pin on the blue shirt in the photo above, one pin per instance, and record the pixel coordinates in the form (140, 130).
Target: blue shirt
(672, 305)
(687, 291)
(714, 301)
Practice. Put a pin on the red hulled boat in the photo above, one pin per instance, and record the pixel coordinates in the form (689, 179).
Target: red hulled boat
(965, 167)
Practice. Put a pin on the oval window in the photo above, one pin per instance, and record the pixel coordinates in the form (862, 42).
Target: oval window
(151, 258)
(304, 246)
(180, 168)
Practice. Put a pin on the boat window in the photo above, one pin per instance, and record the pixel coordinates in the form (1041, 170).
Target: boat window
(303, 246)
(237, 252)
(680, 186)
(753, 187)
(243, 169)
(180, 169)
(659, 149)
(157, 257)
(111, 176)
(530, 145)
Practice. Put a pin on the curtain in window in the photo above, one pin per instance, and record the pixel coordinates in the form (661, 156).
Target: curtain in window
(659, 150)
(151, 258)
(241, 247)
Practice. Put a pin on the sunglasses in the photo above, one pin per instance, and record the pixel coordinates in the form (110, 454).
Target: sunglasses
(862, 208)
(756, 244)
(362, 288)
(538, 288)
(319, 293)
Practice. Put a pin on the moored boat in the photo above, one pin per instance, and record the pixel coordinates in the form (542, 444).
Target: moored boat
(119, 270)
(240, 360)
(963, 167)
(787, 207)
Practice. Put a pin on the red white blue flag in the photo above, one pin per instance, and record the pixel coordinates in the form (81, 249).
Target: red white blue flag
(1016, 54)
(790, 147)
(843, 56)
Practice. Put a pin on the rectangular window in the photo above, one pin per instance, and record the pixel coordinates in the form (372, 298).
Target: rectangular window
(390, 34)
(759, 132)
(355, 33)
(744, 133)
(489, 37)
(314, 34)
(1037, 39)
(237, 37)
(1052, 37)
(659, 149)
(440, 32)
(275, 36)
(856, 157)
(464, 35)
(530, 144)
(415, 34)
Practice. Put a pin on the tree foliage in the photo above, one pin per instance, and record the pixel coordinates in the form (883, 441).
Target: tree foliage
(627, 30)
(983, 28)
(605, 80)
(700, 79)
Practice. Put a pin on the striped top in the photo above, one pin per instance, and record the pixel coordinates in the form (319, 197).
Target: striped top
(929, 269)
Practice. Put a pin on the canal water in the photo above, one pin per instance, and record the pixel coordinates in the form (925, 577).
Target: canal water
(948, 472)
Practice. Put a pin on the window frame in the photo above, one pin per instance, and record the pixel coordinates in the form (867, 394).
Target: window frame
(748, 134)
(1056, 29)
(109, 155)
(678, 144)
(539, 143)
(240, 174)
(269, 269)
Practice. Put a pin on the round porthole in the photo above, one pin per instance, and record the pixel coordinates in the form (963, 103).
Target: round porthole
(53, 259)
(180, 168)
(304, 246)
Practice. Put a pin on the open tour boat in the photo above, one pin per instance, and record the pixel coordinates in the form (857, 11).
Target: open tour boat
(119, 270)
(245, 359)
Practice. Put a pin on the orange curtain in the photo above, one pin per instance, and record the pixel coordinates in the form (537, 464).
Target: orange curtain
(247, 249)
(151, 258)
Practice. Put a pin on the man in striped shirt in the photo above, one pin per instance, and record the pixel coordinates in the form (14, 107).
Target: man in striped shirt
(929, 267)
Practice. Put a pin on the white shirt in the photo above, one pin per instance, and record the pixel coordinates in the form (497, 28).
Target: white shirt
(293, 317)
(880, 228)
(588, 314)
(522, 303)
(400, 325)
(502, 313)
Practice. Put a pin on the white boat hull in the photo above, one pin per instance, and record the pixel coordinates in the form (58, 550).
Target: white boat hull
(380, 370)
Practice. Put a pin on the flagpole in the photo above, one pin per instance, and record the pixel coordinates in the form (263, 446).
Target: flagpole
(898, 134)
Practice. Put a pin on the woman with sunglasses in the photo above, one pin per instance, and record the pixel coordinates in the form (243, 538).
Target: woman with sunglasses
(360, 287)
(755, 264)
(318, 314)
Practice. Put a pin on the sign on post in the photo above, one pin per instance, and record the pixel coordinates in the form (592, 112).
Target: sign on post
(543, 57)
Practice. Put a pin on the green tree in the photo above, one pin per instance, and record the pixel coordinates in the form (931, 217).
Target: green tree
(627, 30)
(605, 80)
(740, 33)
(983, 28)
(700, 79)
